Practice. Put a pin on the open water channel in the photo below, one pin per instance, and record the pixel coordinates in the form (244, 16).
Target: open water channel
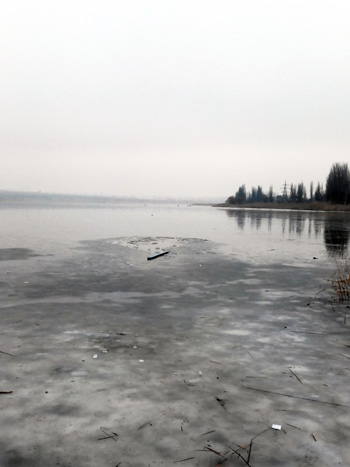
(250, 235)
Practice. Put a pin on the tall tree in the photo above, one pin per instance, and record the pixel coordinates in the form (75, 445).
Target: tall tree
(301, 192)
(292, 193)
(271, 197)
(254, 195)
(259, 194)
(319, 193)
(241, 195)
(311, 191)
(338, 184)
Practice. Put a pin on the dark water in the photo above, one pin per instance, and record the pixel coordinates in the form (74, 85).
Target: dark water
(332, 228)
(250, 235)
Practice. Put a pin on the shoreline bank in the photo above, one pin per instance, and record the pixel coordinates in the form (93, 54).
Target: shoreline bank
(314, 206)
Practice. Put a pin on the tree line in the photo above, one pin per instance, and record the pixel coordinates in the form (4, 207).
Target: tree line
(337, 190)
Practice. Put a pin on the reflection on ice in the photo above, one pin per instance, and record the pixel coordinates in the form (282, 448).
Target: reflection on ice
(336, 239)
(334, 226)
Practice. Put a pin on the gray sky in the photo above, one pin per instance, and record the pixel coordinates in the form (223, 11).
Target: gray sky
(172, 97)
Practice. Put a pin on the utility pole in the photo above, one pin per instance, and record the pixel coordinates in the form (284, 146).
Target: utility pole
(285, 192)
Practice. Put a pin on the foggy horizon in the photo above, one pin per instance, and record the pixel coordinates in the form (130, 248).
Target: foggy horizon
(172, 99)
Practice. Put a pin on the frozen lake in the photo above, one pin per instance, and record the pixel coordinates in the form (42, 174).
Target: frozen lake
(108, 359)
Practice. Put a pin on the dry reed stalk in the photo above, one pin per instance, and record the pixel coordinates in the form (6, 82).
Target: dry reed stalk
(341, 283)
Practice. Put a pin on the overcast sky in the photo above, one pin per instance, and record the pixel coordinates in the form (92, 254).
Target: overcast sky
(172, 97)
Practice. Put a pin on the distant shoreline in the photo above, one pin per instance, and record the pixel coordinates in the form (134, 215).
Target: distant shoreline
(313, 206)
(38, 199)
